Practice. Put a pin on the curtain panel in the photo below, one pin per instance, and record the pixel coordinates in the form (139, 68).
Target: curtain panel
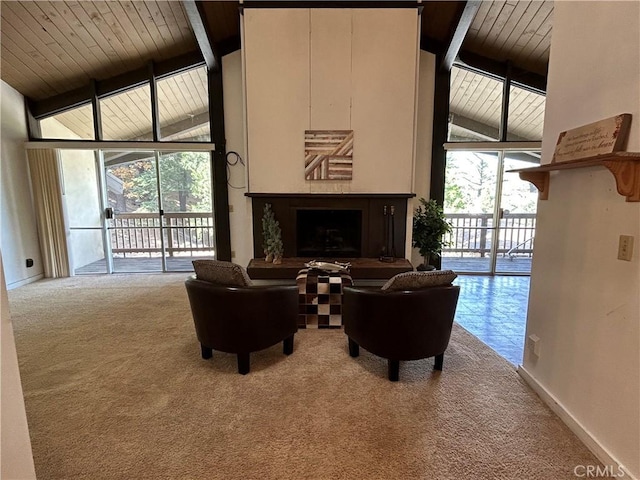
(46, 184)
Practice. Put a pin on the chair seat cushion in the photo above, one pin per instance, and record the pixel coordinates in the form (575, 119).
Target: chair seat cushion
(417, 280)
(222, 273)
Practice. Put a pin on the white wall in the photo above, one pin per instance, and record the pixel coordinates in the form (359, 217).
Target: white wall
(240, 218)
(18, 232)
(424, 141)
(584, 303)
(15, 444)
(331, 69)
(276, 49)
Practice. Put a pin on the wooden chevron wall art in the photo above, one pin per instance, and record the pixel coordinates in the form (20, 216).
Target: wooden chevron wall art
(328, 154)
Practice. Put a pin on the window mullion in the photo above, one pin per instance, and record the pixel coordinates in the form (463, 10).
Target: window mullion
(504, 114)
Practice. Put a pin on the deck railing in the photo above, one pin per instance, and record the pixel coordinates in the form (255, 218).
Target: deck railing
(193, 233)
(184, 233)
(473, 234)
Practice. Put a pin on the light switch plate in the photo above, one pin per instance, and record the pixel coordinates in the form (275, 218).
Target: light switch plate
(625, 248)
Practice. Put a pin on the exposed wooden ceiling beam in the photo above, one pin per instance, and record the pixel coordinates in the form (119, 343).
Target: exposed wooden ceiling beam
(198, 25)
(524, 78)
(532, 81)
(458, 32)
(172, 131)
(118, 158)
(229, 45)
(488, 132)
(432, 45)
(168, 133)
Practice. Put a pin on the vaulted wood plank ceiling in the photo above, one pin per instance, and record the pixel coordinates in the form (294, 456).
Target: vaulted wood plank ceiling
(50, 48)
(515, 30)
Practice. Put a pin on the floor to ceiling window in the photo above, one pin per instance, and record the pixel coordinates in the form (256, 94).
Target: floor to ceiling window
(139, 209)
(492, 211)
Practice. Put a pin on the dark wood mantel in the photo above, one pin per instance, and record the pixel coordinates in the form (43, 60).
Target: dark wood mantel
(330, 195)
(361, 268)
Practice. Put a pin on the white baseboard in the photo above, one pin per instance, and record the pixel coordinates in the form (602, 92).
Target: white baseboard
(26, 281)
(574, 425)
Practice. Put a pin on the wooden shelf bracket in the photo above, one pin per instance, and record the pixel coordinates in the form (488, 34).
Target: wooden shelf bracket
(624, 166)
(540, 180)
(627, 175)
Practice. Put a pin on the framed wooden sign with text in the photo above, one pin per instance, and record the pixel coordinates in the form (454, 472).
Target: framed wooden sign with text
(598, 138)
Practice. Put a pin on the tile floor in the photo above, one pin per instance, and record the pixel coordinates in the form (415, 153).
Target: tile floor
(494, 309)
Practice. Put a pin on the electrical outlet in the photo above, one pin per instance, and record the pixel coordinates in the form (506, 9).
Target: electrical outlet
(534, 344)
(230, 208)
(29, 262)
(625, 248)
(233, 254)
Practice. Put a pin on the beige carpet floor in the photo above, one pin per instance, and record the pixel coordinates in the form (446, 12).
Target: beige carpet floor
(115, 389)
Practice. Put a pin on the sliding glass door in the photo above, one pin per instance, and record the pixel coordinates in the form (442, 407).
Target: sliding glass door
(160, 214)
(133, 215)
(492, 211)
(517, 225)
(186, 202)
(138, 211)
(470, 204)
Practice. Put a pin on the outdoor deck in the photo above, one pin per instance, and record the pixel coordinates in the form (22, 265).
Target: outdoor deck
(514, 265)
(140, 265)
(138, 240)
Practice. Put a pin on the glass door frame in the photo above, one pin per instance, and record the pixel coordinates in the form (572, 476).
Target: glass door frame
(102, 188)
(499, 148)
(164, 228)
(163, 247)
(497, 214)
(106, 228)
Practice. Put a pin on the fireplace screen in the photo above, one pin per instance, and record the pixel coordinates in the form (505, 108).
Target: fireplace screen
(329, 233)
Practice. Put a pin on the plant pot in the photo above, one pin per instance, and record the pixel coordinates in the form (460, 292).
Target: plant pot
(277, 259)
(269, 258)
(425, 268)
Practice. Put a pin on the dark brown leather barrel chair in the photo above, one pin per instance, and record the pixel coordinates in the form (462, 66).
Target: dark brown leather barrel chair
(242, 319)
(400, 324)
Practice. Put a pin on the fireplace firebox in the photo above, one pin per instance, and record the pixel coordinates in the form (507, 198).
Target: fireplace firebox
(328, 233)
(332, 225)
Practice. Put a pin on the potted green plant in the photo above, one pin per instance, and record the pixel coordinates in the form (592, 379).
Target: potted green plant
(272, 236)
(268, 220)
(429, 227)
(275, 243)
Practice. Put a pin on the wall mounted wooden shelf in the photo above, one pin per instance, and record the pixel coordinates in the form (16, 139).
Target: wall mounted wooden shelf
(625, 167)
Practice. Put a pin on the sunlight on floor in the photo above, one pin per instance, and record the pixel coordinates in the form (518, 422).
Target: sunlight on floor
(494, 309)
